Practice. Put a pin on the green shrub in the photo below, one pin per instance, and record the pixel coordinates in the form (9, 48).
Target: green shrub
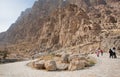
(92, 61)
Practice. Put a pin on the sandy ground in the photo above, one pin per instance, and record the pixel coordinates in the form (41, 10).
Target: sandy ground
(105, 67)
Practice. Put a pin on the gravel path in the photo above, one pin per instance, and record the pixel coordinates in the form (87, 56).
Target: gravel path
(105, 67)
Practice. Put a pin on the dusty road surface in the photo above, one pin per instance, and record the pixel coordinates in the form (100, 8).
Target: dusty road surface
(105, 67)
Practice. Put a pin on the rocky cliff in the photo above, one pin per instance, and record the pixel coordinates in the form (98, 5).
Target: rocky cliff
(50, 25)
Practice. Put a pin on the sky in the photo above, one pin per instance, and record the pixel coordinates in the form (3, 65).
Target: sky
(10, 10)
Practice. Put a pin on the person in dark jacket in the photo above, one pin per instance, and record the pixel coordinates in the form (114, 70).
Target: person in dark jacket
(110, 53)
(114, 52)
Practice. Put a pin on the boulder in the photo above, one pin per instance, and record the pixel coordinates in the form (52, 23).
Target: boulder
(62, 66)
(76, 65)
(75, 56)
(83, 58)
(64, 58)
(39, 64)
(50, 65)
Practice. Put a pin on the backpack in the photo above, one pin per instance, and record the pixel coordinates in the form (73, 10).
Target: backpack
(101, 51)
(110, 51)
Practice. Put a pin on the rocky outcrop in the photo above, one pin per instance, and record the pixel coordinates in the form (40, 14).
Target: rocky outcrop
(53, 35)
(51, 25)
(57, 64)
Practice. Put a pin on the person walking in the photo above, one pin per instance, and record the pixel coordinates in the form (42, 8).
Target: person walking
(110, 53)
(114, 52)
(101, 51)
(98, 52)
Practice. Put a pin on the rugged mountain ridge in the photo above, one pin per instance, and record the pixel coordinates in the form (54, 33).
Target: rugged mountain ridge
(51, 25)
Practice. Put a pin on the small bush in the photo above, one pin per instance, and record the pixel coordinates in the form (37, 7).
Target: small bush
(3, 54)
(92, 61)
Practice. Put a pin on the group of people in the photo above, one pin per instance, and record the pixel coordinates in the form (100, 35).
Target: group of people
(112, 52)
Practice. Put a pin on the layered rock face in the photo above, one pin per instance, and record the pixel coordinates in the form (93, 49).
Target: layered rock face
(50, 25)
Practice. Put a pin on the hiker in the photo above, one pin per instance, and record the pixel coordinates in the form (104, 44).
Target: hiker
(98, 52)
(101, 51)
(110, 53)
(114, 53)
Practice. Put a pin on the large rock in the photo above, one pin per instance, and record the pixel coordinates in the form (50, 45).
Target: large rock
(71, 57)
(76, 56)
(76, 65)
(39, 64)
(62, 66)
(50, 65)
(64, 58)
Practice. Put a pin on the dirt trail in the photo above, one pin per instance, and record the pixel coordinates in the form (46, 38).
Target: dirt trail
(105, 67)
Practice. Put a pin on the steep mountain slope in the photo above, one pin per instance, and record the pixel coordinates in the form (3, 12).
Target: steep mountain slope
(51, 25)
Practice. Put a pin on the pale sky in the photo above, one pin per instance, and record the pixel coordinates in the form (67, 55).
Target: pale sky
(10, 10)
